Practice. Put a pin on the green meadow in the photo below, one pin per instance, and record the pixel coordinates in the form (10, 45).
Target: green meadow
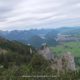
(73, 47)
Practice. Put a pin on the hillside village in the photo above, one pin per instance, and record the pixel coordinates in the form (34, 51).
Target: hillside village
(64, 62)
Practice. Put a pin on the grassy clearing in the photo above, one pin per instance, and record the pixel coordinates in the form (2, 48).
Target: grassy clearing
(73, 47)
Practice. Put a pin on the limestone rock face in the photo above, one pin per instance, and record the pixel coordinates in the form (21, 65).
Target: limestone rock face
(68, 61)
(65, 62)
(46, 52)
(59, 64)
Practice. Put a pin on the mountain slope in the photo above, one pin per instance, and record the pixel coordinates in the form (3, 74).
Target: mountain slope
(15, 52)
(17, 59)
(33, 37)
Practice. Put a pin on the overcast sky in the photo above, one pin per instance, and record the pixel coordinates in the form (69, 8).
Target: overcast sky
(28, 14)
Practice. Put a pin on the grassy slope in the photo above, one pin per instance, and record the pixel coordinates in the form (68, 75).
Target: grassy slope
(73, 47)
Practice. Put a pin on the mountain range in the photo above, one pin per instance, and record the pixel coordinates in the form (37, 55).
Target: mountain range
(37, 37)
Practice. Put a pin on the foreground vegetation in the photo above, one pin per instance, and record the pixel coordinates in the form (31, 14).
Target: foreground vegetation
(22, 74)
(17, 59)
(17, 62)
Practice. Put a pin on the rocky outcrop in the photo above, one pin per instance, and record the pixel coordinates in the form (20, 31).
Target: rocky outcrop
(68, 61)
(46, 52)
(64, 62)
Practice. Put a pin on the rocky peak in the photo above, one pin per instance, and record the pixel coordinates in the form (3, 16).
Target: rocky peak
(46, 52)
(68, 61)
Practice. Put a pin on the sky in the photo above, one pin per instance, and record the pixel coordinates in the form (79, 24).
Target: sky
(37, 14)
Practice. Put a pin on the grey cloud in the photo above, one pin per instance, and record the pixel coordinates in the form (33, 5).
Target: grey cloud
(39, 13)
(6, 6)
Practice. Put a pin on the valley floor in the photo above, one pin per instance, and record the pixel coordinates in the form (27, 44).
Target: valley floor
(73, 47)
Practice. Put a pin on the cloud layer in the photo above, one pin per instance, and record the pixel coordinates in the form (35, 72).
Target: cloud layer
(27, 14)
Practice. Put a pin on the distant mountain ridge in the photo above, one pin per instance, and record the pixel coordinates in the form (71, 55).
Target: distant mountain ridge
(37, 37)
(33, 37)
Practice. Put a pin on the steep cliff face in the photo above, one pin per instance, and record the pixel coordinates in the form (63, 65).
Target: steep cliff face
(64, 62)
(68, 61)
(46, 52)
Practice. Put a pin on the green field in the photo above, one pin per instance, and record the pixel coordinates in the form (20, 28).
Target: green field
(73, 47)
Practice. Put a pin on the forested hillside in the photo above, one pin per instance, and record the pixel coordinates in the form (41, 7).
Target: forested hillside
(17, 59)
(22, 62)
